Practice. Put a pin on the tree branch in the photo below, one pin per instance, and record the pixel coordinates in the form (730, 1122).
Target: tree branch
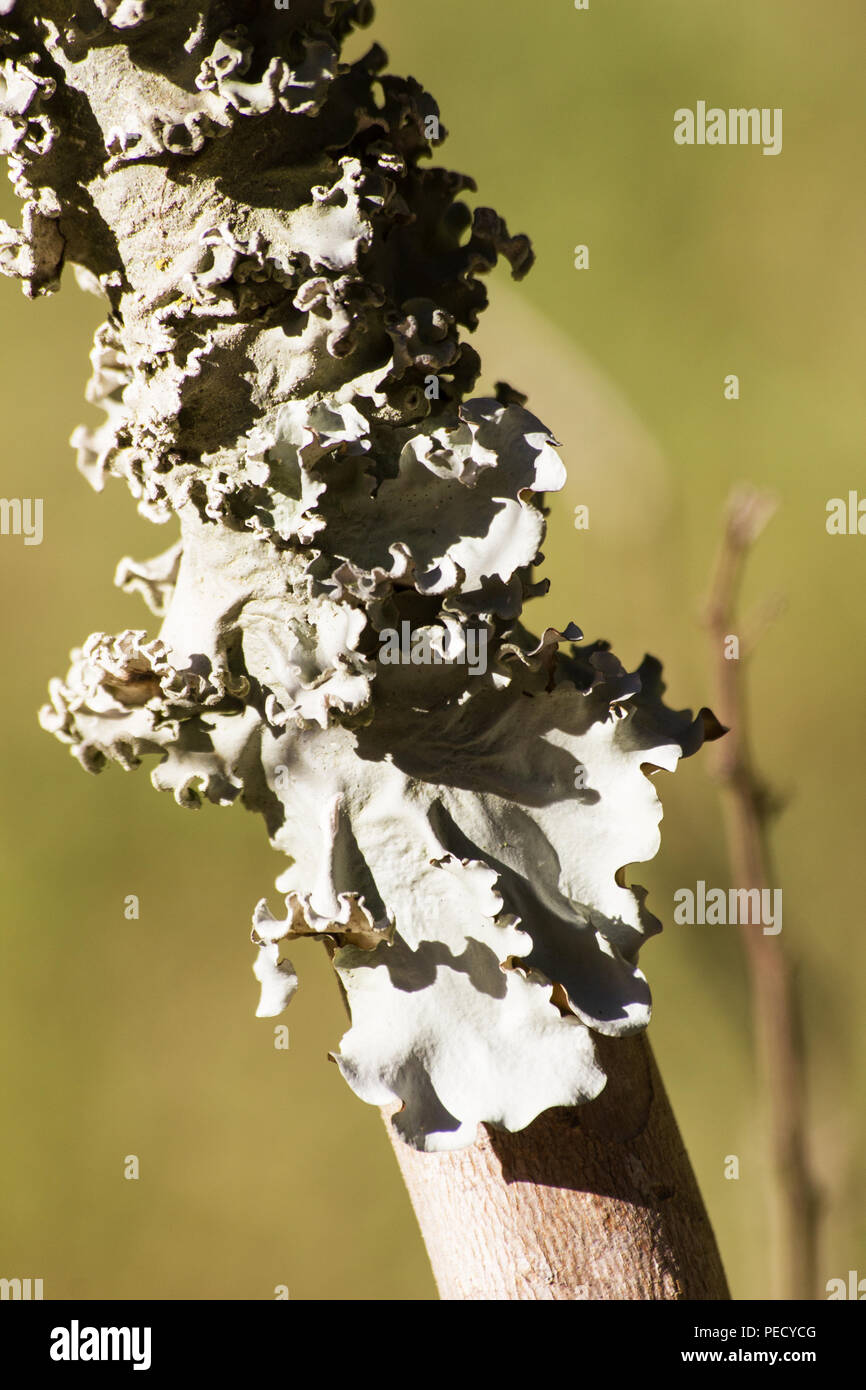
(593, 1202)
(748, 807)
(282, 371)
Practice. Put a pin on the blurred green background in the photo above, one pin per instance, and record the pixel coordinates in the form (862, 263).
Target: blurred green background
(259, 1167)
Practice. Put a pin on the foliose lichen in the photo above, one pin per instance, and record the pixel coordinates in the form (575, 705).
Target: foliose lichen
(282, 370)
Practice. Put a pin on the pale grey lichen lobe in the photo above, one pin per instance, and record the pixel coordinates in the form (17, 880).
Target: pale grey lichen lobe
(281, 368)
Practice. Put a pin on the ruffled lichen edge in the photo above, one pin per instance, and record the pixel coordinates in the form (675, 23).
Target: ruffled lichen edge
(281, 369)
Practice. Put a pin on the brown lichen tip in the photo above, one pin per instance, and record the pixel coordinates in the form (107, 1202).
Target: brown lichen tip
(341, 648)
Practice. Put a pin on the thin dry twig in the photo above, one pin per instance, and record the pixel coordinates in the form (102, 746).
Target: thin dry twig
(749, 807)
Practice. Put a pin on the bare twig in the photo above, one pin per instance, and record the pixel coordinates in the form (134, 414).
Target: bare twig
(748, 808)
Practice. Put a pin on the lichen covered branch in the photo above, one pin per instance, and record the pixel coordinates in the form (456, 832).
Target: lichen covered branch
(341, 650)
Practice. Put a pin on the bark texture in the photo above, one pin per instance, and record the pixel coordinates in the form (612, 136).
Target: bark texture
(590, 1202)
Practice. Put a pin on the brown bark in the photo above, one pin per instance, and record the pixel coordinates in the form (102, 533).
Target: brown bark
(595, 1202)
